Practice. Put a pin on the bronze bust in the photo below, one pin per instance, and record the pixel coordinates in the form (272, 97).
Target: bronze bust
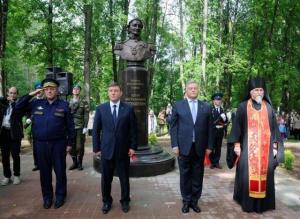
(134, 49)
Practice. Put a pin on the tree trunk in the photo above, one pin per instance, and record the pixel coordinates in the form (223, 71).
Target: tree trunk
(232, 32)
(112, 40)
(153, 40)
(121, 65)
(273, 22)
(181, 48)
(50, 35)
(285, 97)
(220, 43)
(98, 72)
(204, 36)
(3, 24)
(87, 49)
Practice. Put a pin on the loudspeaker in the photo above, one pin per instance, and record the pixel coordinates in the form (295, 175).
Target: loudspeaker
(53, 70)
(50, 75)
(65, 80)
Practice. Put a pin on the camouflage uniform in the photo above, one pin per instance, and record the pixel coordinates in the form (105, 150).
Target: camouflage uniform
(80, 112)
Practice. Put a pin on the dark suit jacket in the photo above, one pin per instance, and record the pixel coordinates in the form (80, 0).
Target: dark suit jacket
(111, 139)
(182, 127)
(16, 129)
(216, 118)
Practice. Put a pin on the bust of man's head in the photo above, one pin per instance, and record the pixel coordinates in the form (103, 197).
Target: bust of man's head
(134, 28)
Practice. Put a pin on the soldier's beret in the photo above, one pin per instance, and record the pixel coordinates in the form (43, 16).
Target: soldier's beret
(77, 86)
(38, 85)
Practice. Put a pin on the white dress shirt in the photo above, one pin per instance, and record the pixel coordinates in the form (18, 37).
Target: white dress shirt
(6, 118)
(112, 107)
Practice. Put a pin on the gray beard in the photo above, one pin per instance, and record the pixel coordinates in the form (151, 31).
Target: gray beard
(258, 99)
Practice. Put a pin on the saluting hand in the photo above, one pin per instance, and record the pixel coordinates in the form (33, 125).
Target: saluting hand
(35, 92)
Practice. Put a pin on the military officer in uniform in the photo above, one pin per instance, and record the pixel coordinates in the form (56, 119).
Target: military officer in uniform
(219, 122)
(53, 131)
(80, 111)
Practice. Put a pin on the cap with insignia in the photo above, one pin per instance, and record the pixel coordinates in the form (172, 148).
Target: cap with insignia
(38, 85)
(49, 82)
(217, 96)
(77, 86)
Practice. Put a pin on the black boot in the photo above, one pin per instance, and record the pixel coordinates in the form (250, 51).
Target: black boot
(80, 163)
(75, 163)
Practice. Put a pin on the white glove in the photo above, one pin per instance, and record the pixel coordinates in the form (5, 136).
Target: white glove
(274, 152)
(28, 121)
(223, 116)
(84, 130)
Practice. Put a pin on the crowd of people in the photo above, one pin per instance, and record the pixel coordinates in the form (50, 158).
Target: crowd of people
(196, 129)
(289, 125)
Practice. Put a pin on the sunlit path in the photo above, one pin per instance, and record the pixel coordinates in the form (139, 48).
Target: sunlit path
(153, 197)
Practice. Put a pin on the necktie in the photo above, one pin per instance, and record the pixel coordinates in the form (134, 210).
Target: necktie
(9, 109)
(194, 114)
(115, 114)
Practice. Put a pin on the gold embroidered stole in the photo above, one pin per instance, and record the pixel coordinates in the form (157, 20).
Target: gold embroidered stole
(258, 149)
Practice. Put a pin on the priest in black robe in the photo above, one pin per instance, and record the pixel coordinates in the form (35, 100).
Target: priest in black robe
(255, 147)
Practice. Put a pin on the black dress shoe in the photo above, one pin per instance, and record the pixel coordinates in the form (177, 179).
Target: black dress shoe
(212, 166)
(218, 166)
(80, 167)
(106, 208)
(195, 208)
(125, 207)
(73, 166)
(59, 203)
(47, 204)
(35, 168)
(185, 208)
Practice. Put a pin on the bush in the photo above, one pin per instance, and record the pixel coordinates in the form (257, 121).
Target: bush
(152, 139)
(289, 159)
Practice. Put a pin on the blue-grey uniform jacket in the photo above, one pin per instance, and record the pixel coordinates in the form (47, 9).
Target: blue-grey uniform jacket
(49, 121)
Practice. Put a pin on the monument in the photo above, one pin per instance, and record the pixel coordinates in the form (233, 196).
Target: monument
(150, 160)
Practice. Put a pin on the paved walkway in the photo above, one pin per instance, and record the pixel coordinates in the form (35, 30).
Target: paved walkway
(152, 198)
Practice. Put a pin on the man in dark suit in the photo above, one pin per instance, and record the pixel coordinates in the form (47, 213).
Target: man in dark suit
(191, 136)
(11, 134)
(115, 139)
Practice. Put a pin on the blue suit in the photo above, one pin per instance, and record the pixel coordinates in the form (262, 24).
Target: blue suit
(52, 130)
(114, 142)
(192, 150)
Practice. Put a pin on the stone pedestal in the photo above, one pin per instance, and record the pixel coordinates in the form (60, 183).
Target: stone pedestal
(135, 87)
(150, 160)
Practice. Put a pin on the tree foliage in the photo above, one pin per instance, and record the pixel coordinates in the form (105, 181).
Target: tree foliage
(244, 38)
